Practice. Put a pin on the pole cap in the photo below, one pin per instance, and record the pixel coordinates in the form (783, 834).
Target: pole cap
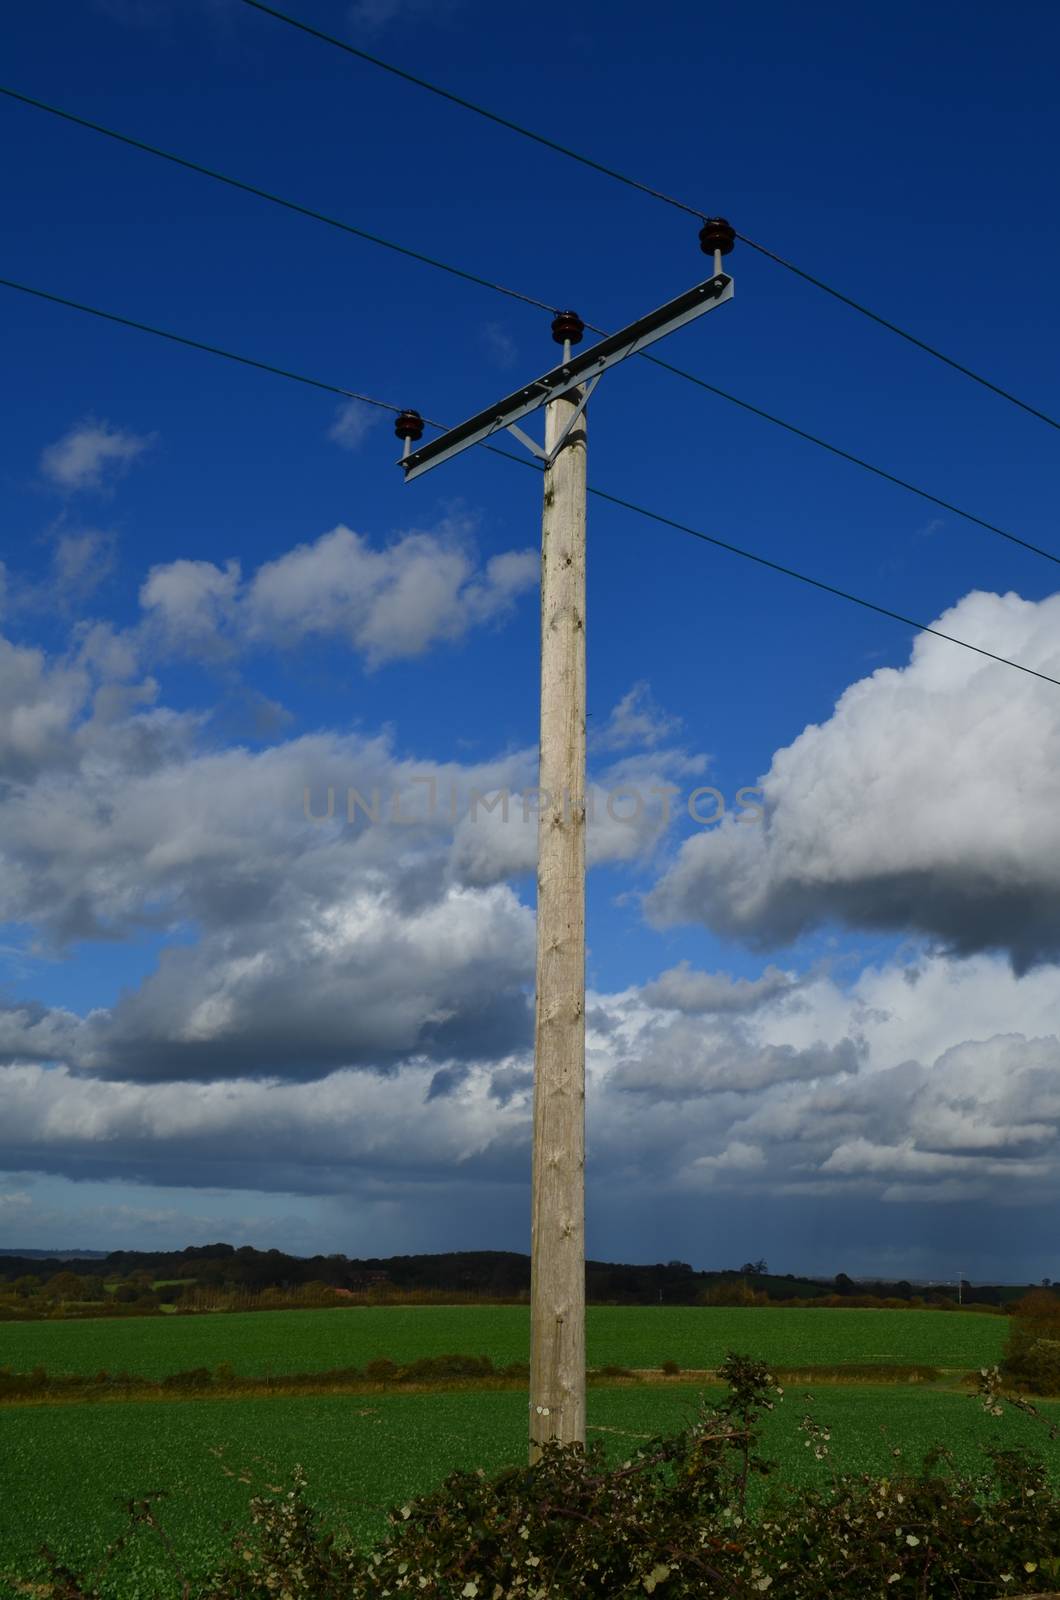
(408, 425)
(567, 325)
(716, 234)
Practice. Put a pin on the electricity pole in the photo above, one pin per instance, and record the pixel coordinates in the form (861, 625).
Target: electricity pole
(557, 1250)
(557, 1227)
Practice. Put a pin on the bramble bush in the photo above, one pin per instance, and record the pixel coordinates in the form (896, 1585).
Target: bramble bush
(679, 1518)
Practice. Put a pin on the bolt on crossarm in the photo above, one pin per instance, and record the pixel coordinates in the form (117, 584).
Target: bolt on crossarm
(557, 1250)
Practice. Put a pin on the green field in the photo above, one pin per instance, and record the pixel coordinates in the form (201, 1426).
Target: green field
(63, 1467)
(260, 1342)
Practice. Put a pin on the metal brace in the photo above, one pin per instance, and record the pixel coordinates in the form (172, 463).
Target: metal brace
(549, 457)
(570, 372)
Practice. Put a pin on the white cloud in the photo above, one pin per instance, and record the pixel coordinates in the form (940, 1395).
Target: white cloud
(813, 1092)
(681, 1060)
(80, 563)
(500, 346)
(629, 809)
(352, 979)
(925, 803)
(636, 720)
(32, 1032)
(318, 944)
(14, 1204)
(190, 605)
(353, 422)
(80, 560)
(91, 454)
(392, 962)
(391, 603)
(736, 1157)
(262, 1135)
(682, 989)
(39, 702)
(807, 1098)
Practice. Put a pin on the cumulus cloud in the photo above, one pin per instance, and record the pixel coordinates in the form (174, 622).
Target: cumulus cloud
(808, 1098)
(683, 989)
(50, 708)
(736, 1157)
(682, 1060)
(629, 809)
(390, 603)
(636, 720)
(361, 981)
(813, 1099)
(352, 423)
(318, 943)
(389, 963)
(39, 701)
(30, 1031)
(328, 903)
(263, 1136)
(91, 455)
(80, 563)
(631, 800)
(57, 713)
(190, 605)
(923, 804)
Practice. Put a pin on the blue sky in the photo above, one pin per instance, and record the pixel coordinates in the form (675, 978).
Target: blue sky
(831, 1036)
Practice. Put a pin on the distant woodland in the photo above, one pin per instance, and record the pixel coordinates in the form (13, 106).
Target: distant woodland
(223, 1277)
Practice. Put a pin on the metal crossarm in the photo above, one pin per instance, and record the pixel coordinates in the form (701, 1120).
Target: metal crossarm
(589, 364)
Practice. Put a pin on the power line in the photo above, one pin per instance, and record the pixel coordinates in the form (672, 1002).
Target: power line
(195, 344)
(266, 194)
(816, 583)
(857, 461)
(466, 105)
(516, 294)
(648, 189)
(599, 494)
(787, 572)
(903, 333)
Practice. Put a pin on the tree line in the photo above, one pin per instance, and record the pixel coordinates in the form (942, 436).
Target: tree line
(127, 1275)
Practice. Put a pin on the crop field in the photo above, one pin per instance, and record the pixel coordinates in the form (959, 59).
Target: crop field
(261, 1342)
(63, 1469)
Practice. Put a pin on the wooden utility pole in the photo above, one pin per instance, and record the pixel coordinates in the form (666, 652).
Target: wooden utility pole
(557, 1248)
(557, 1229)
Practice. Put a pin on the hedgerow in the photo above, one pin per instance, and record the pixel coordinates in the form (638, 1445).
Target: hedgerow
(39, 1384)
(1032, 1354)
